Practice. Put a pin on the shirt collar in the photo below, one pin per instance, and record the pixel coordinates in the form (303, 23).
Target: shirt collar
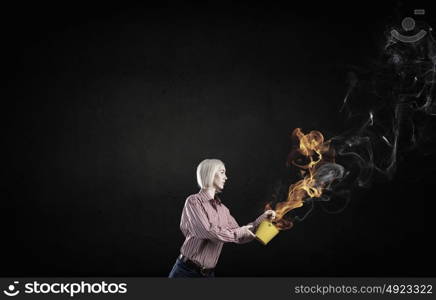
(204, 196)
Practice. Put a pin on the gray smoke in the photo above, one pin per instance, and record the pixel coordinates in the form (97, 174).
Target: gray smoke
(388, 107)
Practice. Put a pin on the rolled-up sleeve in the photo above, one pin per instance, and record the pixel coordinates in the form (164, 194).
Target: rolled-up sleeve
(201, 226)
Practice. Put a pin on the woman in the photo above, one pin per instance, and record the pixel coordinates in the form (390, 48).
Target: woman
(207, 224)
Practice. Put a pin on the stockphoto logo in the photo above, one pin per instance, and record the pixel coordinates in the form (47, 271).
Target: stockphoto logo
(72, 289)
(12, 289)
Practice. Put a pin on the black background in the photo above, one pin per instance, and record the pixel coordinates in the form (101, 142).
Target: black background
(110, 109)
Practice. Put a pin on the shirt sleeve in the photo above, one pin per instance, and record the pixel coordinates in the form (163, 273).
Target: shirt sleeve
(201, 226)
(255, 223)
(234, 224)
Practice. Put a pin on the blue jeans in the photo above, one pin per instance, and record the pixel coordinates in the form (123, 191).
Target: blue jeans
(180, 269)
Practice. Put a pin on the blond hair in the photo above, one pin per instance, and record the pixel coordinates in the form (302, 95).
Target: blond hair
(206, 171)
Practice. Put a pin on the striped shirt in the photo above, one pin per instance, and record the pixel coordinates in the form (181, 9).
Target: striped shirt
(207, 224)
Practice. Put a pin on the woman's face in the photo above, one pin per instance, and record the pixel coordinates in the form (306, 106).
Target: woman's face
(220, 178)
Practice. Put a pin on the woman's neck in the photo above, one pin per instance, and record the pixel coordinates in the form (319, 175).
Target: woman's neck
(210, 191)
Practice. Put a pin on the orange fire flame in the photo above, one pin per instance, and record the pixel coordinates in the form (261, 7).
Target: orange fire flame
(312, 151)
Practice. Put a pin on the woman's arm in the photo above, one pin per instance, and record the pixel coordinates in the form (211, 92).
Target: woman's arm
(202, 227)
(266, 215)
(233, 224)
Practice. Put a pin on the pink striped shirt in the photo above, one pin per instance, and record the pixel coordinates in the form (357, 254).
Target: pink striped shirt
(207, 226)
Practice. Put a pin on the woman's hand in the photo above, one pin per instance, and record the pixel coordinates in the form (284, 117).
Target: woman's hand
(270, 214)
(248, 231)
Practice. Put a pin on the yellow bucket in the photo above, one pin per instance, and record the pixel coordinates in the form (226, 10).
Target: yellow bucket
(266, 231)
